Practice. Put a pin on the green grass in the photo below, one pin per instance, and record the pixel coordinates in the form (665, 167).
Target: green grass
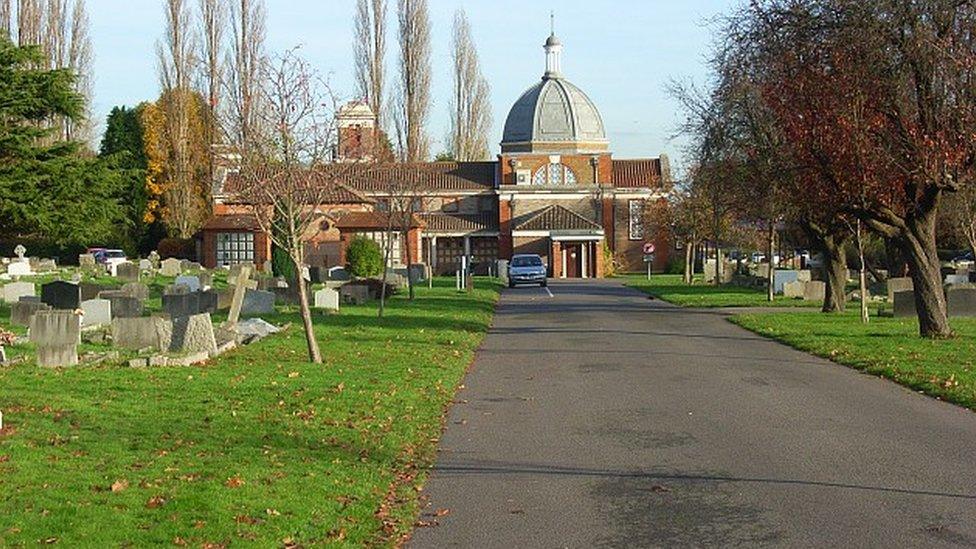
(887, 347)
(670, 288)
(257, 446)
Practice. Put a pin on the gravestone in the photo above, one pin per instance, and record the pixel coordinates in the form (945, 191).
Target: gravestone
(19, 268)
(170, 267)
(179, 305)
(15, 290)
(503, 270)
(128, 272)
(123, 304)
(804, 276)
(137, 290)
(20, 251)
(815, 290)
(193, 334)
(21, 312)
(176, 289)
(243, 284)
(56, 335)
(354, 294)
(86, 261)
(235, 270)
(317, 275)
(904, 304)
(61, 295)
(154, 259)
(97, 312)
(899, 284)
(258, 302)
(225, 298)
(90, 290)
(209, 301)
(141, 333)
(328, 299)
(190, 281)
(956, 279)
(46, 266)
(418, 272)
(206, 279)
(961, 302)
(781, 277)
(795, 290)
(339, 273)
(145, 265)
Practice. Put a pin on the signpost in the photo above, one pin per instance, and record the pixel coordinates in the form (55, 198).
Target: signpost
(649, 249)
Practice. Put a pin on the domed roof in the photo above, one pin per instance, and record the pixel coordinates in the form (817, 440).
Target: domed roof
(554, 110)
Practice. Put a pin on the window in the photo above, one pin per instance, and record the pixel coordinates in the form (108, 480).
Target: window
(379, 237)
(234, 248)
(636, 210)
(554, 174)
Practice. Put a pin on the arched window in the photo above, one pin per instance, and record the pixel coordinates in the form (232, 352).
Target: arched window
(554, 174)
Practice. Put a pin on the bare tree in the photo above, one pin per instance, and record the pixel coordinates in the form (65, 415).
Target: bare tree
(247, 59)
(79, 59)
(471, 104)
(213, 22)
(369, 49)
(413, 89)
(6, 18)
(282, 174)
(30, 23)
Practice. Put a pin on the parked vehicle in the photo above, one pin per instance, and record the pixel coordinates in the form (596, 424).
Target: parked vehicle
(964, 261)
(526, 269)
(759, 257)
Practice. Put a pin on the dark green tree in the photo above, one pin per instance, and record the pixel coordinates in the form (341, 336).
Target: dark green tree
(364, 257)
(123, 137)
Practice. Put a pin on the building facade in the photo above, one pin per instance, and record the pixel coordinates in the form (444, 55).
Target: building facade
(554, 190)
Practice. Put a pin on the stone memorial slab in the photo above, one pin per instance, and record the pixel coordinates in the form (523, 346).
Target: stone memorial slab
(795, 290)
(153, 258)
(29, 299)
(13, 291)
(209, 301)
(127, 272)
(20, 251)
(258, 302)
(141, 333)
(145, 265)
(354, 294)
(90, 290)
(19, 268)
(317, 275)
(235, 270)
(904, 304)
(327, 299)
(61, 295)
(224, 299)
(804, 276)
(170, 267)
(956, 279)
(123, 304)
(96, 312)
(176, 289)
(21, 312)
(190, 281)
(179, 305)
(193, 334)
(56, 335)
(899, 284)
(86, 261)
(339, 273)
(46, 266)
(418, 272)
(815, 290)
(206, 279)
(137, 290)
(961, 302)
(781, 277)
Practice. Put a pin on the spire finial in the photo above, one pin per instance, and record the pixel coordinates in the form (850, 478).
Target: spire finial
(552, 22)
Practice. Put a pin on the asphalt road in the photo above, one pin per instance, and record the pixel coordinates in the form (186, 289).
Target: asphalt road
(599, 418)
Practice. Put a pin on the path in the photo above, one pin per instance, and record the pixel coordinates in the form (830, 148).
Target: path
(601, 418)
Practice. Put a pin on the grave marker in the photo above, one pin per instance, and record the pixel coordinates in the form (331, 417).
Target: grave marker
(327, 299)
(96, 312)
(61, 295)
(56, 335)
(22, 312)
(13, 291)
(243, 285)
(961, 302)
(170, 267)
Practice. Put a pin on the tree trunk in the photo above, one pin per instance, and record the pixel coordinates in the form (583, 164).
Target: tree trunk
(718, 264)
(406, 235)
(862, 275)
(918, 247)
(770, 251)
(689, 262)
(314, 354)
(387, 253)
(835, 269)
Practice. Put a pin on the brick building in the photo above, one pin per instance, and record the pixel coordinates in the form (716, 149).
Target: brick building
(554, 190)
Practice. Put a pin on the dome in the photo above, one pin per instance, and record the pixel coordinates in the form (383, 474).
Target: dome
(554, 111)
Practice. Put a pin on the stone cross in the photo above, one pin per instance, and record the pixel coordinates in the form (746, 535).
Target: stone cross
(244, 283)
(20, 250)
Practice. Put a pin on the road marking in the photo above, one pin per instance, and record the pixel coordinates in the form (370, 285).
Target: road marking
(546, 288)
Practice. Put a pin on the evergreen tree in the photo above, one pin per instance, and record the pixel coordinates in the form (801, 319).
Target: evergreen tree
(123, 136)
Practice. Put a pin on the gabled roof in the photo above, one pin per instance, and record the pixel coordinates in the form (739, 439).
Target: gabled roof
(556, 218)
(642, 173)
(232, 222)
(335, 192)
(460, 223)
(421, 176)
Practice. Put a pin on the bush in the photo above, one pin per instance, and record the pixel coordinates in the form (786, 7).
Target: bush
(281, 263)
(676, 264)
(177, 247)
(364, 258)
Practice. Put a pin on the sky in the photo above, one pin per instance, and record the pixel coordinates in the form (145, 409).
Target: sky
(622, 53)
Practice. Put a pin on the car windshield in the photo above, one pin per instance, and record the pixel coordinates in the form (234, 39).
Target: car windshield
(530, 261)
(114, 253)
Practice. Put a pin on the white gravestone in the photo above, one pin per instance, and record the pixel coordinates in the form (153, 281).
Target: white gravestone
(97, 312)
(15, 290)
(328, 299)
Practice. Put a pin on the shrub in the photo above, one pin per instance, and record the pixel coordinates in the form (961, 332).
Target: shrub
(364, 257)
(177, 247)
(281, 263)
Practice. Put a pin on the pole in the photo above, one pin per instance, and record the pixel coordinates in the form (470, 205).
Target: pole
(648, 270)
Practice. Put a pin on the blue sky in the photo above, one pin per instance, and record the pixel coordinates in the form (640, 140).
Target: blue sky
(622, 53)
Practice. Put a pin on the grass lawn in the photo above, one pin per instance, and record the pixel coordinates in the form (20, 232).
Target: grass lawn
(887, 347)
(670, 288)
(256, 446)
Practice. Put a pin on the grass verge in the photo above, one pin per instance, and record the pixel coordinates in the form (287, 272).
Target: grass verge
(256, 446)
(886, 347)
(670, 288)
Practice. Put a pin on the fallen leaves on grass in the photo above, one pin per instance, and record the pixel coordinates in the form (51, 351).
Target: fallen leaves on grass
(120, 485)
(155, 502)
(234, 482)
